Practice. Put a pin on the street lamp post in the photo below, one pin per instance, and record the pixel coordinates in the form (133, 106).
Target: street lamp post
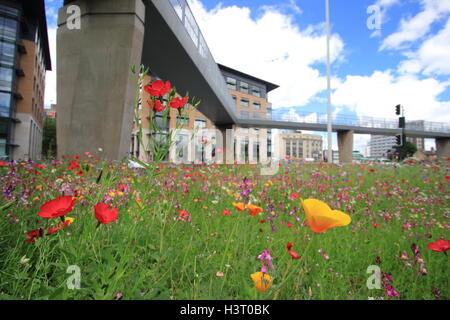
(329, 125)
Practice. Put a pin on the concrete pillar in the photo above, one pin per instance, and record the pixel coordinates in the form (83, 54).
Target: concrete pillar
(443, 147)
(225, 143)
(96, 90)
(345, 145)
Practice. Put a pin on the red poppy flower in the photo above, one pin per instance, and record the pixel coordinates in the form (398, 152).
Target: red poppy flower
(440, 245)
(74, 165)
(158, 88)
(2, 164)
(225, 212)
(80, 173)
(294, 196)
(157, 105)
(33, 235)
(183, 215)
(293, 254)
(57, 208)
(372, 170)
(122, 187)
(289, 225)
(178, 103)
(60, 226)
(376, 225)
(105, 214)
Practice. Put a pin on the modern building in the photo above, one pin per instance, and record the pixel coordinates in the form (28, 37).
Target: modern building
(251, 145)
(298, 145)
(24, 60)
(380, 145)
(250, 94)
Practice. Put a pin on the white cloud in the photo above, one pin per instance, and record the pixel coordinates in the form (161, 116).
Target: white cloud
(433, 56)
(377, 94)
(50, 77)
(270, 47)
(417, 27)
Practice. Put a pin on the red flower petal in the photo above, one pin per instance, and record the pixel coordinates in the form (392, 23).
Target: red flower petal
(104, 214)
(57, 208)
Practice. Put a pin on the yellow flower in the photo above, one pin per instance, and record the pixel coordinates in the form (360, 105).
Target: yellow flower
(112, 194)
(261, 280)
(321, 218)
(69, 220)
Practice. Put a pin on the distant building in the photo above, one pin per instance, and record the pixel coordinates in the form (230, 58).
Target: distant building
(24, 60)
(51, 113)
(298, 145)
(380, 146)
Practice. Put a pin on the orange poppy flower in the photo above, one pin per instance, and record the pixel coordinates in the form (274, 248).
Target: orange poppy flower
(254, 210)
(261, 280)
(240, 206)
(320, 216)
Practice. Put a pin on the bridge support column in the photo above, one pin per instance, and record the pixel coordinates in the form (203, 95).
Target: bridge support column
(345, 145)
(443, 147)
(96, 89)
(225, 144)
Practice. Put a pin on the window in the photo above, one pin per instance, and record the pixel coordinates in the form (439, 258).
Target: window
(294, 149)
(3, 148)
(200, 124)
(8, 28)
(243, 130)
(244, 115)
(244, 102)
(231, 83)
(256, 91)
(234, 98)
(163, 124)
(256, 130)
(256, 116)
(183, 120)
(9, 11)
(288, 148)
(7, 51)
(244, 87)
(257, 105)
(6, 78)
(5, 104)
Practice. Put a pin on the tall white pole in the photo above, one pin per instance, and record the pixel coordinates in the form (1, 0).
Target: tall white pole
(329, 126)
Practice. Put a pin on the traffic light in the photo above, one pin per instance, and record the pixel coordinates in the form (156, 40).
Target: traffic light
(399, 140)
(397, 109)
(401, 122)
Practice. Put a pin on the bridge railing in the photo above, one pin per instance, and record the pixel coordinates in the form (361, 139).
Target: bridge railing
(346, 120)
(187, 19)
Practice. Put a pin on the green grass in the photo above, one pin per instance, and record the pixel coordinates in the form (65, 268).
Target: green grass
(148, 253)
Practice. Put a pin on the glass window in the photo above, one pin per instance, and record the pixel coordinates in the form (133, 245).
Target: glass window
(256, 91)
(8, 28)
(200, 124)
(5, 104)
(7, 51)
(231, 83)
(257, 105)
(6, 77)
(244, 87)
(244, 102)
(243, 130)
(3, 154)
(162, 123)
(288, 148)
(9, 11)
(234, 98)
(256, 116)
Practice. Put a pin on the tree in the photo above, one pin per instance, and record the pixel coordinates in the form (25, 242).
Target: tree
(407, 150)
(49, 138)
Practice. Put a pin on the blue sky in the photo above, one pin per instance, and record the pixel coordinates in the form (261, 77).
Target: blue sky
(407, 61)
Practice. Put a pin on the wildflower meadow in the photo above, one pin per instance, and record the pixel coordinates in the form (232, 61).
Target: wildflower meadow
(85, 228)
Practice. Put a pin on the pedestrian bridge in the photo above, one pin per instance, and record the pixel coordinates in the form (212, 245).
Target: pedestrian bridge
(93, 66)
